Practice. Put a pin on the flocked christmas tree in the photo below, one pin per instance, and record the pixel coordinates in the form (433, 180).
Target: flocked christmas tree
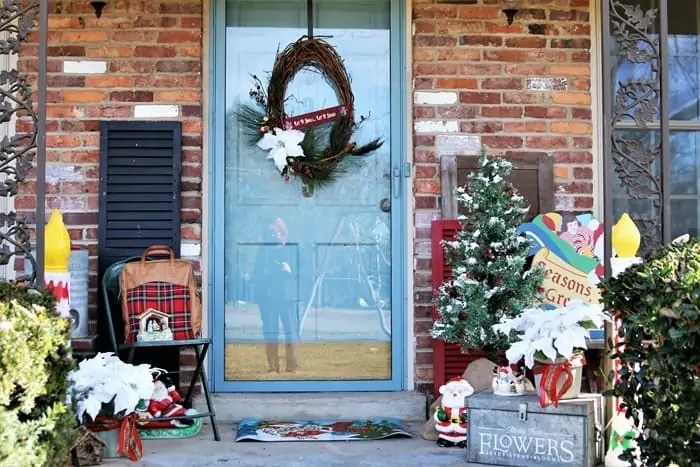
(490, 279)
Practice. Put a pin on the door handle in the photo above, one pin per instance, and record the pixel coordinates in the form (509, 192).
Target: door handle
(385, 205)
(396, 182)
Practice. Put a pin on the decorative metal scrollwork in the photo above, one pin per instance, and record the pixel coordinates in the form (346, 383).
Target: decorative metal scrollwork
(637, 101)
(17, 151)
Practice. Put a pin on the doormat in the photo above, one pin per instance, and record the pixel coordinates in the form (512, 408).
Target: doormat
(321, 430)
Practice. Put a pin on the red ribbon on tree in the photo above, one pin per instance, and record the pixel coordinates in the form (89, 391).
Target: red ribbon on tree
(551, 376)
(130, 443)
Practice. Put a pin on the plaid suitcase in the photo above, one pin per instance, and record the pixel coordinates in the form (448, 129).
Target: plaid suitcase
(160, 294)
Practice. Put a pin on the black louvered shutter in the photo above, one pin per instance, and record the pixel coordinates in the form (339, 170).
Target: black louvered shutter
(140, 165)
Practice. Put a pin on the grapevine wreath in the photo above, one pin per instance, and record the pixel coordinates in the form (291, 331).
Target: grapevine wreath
(316, 154)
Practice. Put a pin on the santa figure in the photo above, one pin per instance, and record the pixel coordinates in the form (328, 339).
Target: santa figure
(450, 417)
(164, 403)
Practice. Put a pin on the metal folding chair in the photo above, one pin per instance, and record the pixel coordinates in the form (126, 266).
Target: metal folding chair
(110, 290)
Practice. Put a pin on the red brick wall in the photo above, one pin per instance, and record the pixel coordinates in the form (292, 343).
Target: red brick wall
(153, 55)
(477, 80)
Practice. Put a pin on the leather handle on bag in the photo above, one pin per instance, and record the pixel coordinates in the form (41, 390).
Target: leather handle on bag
(162, 249)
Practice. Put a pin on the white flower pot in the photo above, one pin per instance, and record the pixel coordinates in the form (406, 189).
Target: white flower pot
(573, 391)
(111, 438)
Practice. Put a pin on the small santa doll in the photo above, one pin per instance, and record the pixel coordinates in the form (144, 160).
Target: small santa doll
(450, 417)
(164, 403)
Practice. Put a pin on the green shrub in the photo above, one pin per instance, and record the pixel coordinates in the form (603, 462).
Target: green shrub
(26, 296)
(659, 304)
(36, 425)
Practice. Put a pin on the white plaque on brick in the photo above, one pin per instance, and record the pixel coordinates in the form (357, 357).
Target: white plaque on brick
(84, 67)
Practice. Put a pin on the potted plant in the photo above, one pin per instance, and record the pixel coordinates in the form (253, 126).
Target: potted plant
(490, 278)
(106, 393)
(552, 342)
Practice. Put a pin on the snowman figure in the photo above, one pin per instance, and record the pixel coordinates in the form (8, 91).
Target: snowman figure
(623, 436)
(508, 382)
(450, 417)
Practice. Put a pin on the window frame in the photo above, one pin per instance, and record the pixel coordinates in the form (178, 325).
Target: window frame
(616, 24)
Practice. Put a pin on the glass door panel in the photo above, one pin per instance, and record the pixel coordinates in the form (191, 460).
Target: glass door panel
(308, 278)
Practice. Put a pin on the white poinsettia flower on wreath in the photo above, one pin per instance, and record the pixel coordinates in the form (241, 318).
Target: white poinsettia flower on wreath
(282, 144)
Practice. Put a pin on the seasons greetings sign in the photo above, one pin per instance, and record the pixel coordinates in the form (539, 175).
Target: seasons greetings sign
(569, 253)
(564, 282)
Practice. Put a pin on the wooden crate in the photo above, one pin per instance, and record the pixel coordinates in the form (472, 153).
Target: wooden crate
(516, 431)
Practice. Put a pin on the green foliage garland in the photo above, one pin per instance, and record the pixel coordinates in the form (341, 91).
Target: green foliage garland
(325, 147)
(36, 425)
(488, 261)
(658, 302)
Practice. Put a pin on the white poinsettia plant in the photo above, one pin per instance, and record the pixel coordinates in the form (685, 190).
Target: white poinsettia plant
(550, 335)
(106, 386)
(281, 144)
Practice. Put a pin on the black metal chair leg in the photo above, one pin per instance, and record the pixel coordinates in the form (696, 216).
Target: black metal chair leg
(132, 353)
(205, 388)
(210, 406)
(197, 369)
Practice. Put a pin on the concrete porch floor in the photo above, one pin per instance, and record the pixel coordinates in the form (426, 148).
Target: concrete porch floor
(203, 451)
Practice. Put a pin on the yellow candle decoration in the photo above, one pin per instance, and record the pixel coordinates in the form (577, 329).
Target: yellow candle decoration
(57, 244)
(626, 237)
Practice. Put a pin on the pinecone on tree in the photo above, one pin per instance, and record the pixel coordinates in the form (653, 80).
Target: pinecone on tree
(488, 261)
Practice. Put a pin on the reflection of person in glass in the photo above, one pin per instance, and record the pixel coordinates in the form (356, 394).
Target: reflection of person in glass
(274, 290)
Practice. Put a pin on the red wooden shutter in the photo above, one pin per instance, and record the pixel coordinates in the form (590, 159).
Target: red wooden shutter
(448, 359)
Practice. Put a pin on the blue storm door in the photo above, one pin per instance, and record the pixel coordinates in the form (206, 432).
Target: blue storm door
(307, 288)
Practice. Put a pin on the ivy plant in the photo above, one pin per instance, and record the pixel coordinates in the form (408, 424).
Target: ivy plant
(658, 302)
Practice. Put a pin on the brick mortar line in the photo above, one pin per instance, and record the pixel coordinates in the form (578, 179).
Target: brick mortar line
(135, 89)
(458, 35)
(32, 58)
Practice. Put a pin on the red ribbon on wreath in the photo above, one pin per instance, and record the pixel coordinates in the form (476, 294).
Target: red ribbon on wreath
(130, 443)
(551, 376)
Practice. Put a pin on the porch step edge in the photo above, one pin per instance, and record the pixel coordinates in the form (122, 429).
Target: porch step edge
(234, 407)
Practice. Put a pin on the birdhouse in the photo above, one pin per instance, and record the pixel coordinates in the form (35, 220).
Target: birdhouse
(88, 448)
